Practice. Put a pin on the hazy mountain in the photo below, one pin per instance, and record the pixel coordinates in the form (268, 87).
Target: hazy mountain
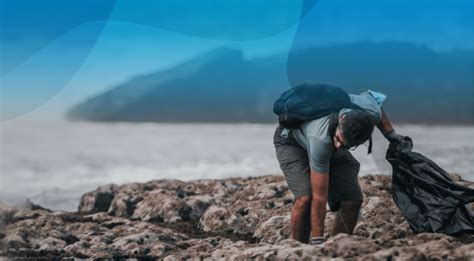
(423, 86)
(219, 86)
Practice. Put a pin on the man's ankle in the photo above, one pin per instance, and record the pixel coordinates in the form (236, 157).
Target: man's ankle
(317, 240)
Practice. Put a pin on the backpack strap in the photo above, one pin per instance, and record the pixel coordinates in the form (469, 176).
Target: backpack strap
(369, 149)
(333, 122)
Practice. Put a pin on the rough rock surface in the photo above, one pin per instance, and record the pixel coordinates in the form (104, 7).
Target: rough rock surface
(239, 218)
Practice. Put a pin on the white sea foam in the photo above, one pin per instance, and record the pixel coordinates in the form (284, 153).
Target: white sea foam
(54, 163)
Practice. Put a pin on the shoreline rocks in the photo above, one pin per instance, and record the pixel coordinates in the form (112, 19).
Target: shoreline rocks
(237, 218)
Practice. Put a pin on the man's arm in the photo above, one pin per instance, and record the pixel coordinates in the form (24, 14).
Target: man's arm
(319, 187)
(385, 126)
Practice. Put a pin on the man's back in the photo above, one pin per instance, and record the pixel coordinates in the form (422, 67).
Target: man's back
(314, 137)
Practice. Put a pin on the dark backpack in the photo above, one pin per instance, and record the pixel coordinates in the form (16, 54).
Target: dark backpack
(308, 102)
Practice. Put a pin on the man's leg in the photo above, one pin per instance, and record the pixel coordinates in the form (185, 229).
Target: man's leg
(345, 195)
(294, 164)
(346, 217)
(300, 223)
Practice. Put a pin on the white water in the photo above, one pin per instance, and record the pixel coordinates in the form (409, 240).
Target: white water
(54, 163)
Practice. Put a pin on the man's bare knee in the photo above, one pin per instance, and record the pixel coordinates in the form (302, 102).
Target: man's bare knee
(302, 202)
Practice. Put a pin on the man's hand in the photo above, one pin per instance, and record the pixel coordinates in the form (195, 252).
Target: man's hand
(394, 137)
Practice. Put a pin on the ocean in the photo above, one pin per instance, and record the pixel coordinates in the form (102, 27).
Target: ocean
(52, 163)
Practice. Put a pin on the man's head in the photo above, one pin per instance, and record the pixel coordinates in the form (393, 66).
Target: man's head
(355, 127)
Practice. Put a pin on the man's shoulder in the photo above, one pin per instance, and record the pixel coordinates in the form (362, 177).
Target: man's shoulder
(369, 103)
(313, 129)
(316, 126)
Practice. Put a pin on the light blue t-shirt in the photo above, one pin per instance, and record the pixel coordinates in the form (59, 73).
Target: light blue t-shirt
(313, 135)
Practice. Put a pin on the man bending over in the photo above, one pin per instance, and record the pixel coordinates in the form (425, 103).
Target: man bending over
(319, 168)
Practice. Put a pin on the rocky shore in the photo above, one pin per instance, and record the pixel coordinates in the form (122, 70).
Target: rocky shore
(238, 218)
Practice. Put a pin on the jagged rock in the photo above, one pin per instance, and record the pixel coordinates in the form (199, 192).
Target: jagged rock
(465, 251)
(196, 206)
(51, 244)
(98, 235)
(98, 200)
(6, 214)
(213, 219)
(375, 185)
(124, 203)
(14, 241)
(431, 250)
(238, 218)
(167, 201)
(284, 250)
(198, 248)
(160, 206)
(274, 229)
(346, 246)
(247, 211)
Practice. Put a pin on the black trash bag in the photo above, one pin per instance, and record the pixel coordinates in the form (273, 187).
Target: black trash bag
(425, 194)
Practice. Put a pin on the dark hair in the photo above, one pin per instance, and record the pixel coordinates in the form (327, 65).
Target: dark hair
(356, 127)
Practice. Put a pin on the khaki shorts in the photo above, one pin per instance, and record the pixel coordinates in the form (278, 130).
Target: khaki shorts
(294, 162)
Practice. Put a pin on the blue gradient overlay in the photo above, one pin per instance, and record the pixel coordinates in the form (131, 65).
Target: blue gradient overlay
(88, 46)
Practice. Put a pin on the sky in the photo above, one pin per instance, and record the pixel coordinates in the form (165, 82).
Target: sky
(55, 54)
